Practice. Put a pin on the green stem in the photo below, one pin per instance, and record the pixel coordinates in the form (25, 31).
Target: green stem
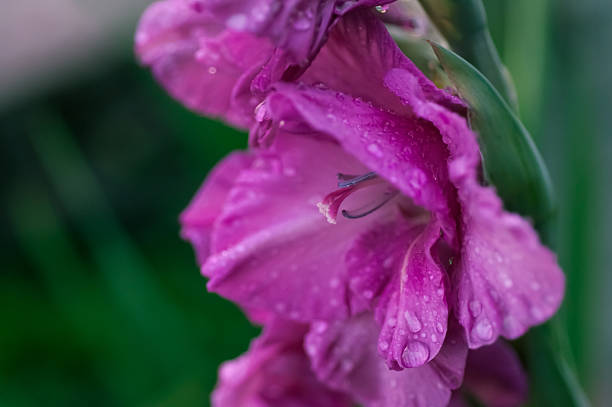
(556, 360)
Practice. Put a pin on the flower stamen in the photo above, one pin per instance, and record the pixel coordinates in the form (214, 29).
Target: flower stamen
(348, 184)
(368, 209)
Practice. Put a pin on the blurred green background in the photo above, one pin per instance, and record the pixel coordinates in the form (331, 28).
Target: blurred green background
(101, 303)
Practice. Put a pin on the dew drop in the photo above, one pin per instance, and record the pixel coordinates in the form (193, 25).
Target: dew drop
(483, 330)
(475, 308)
(415, 354)
(537, 313)
(260, 12)
(311, 349)
(375, 150)
(384, 345)
(237, 22)
(320, 326)
(302, 22)
(212, 70)
(413, 322)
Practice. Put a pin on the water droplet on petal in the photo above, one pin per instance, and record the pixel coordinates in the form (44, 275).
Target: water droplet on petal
(237, 22)
(483, 329)
(301, 22)
(415, 354)
(537, 313)
(384, 345)
(260, 12)
(375, 150)
(475, 308)
(320, 326)
(311, 349)
(413, 322)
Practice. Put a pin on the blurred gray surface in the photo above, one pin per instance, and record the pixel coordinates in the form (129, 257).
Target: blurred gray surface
(42, 42)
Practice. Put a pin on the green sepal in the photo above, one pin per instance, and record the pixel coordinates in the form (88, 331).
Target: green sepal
(511, 160)
(463, 23)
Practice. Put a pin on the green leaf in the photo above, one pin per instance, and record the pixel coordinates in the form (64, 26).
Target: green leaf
(510, 158)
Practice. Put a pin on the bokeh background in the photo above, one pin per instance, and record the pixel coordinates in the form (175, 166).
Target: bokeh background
(101, 303)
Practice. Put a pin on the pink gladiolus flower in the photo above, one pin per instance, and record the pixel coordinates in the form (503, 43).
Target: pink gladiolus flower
(419, 233)
(359, 210)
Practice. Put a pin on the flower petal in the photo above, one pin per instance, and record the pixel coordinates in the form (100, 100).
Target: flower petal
(356, 59)
(298, 27)
(199, 62)
(198, 218)
(494, 374)
(344, 356)
(394, 264)
(404, 150)
(275, 372)
(507, 280)
(271, 248)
